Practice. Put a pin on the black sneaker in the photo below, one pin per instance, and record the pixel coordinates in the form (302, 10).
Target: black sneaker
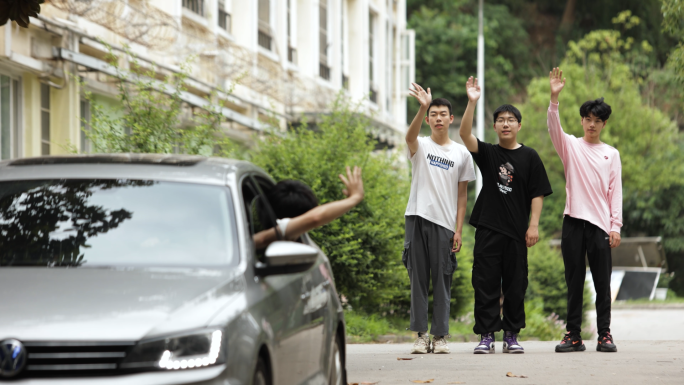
(605, 343)
(572, 342)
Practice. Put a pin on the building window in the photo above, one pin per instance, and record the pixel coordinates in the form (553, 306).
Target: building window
(196, 6)
(291, 52)
(265, 38)
(85, 126)
(389, 73)
(9, 117)
(345, 78)
(324, 71)
(224, 20)
(45, 119)
(371, 58)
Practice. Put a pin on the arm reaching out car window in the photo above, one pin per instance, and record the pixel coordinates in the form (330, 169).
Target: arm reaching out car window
(321, 215)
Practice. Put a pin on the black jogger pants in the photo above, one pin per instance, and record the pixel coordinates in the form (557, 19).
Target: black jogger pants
(582, 238)
(499, 262)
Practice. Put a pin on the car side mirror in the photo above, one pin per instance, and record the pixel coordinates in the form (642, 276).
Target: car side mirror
(284, 257)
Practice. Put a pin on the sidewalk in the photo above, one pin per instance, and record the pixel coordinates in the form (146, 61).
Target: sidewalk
(645, 323)
(637, 362)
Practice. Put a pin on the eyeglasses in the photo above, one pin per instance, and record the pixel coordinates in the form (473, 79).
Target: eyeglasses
(510, 121)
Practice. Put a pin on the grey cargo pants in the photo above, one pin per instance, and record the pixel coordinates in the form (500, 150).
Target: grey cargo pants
(427, 254)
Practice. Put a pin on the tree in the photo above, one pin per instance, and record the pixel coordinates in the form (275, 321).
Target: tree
(19, 11)
(151, 121)
(446, 50)
(673, 24)
(648, 140)
(365, 245)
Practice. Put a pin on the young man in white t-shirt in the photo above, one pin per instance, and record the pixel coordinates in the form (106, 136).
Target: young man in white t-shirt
(435, 212)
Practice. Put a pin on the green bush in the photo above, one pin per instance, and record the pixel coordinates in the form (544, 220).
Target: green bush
(366, 327)
(540, 324)
(546, 274)
(365, 245)
(462, 293)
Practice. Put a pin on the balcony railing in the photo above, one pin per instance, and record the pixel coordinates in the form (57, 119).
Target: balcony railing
(324, 71)
(292, 55)
(196, 6)
(225, 21)
(374, 96)
(265, 40)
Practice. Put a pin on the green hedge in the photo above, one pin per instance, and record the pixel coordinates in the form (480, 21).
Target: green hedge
(365, 245)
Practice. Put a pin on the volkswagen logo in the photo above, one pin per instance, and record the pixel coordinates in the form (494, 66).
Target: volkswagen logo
(12, 358)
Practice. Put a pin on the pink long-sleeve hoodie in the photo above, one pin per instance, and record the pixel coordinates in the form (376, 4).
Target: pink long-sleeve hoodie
(593, 177)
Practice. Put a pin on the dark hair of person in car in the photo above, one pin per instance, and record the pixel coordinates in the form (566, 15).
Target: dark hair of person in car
(295, 200)
(291, 198)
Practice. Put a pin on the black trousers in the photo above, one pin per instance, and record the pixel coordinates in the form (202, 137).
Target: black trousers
(582, 238)
(499, 262)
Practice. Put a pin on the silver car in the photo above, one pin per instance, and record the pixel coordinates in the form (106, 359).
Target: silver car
(140, 269)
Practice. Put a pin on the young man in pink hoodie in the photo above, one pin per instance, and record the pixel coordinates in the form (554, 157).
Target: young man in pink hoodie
(593, 213)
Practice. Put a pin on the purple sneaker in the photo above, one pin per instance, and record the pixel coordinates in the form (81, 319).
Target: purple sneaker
(511, 345)
(486, 345)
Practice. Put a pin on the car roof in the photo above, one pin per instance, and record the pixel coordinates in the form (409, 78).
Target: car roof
(165, 167)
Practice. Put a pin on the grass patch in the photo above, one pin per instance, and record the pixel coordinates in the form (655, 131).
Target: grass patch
(364, 328)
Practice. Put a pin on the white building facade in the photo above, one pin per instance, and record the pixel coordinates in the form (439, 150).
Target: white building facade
(280, 59)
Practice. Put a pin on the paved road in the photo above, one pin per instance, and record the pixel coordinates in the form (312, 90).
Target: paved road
(637, 362)
(646, 324)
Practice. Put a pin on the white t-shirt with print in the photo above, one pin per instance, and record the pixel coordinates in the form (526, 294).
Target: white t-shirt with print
(437, 170)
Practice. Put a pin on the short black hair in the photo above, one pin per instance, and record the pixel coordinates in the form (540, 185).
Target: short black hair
(291, 198)
(440, 102)
(508, 108)
(598, 107)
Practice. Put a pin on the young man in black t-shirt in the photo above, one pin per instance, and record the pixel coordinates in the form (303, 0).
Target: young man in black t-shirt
(514, 184)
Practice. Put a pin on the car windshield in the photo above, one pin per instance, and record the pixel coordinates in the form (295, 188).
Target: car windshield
(100, 222)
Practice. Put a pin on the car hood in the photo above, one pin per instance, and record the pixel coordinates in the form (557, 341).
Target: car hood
(107, 304)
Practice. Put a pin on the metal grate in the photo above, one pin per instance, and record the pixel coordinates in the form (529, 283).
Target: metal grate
(196, 6)
(324, 71)
(292, 55)
(49, 359)
(373, 96)
(224, 20)
(265, 40)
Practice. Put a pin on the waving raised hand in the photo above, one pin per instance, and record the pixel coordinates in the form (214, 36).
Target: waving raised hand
(424, 97)
(557, 82)
(473, 90)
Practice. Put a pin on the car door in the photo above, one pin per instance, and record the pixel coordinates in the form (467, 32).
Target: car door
(317, 316)
(286, 298)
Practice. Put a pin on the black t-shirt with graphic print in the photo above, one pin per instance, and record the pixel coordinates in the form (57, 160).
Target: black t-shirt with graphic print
(510, 180)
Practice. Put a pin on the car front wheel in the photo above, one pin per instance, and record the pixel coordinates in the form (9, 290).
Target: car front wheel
(261, 374)
(336, 369)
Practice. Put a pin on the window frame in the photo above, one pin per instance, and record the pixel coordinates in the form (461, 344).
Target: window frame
(15, 118)
(45, 135)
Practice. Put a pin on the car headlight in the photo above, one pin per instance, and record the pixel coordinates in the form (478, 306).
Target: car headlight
(186, 351)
